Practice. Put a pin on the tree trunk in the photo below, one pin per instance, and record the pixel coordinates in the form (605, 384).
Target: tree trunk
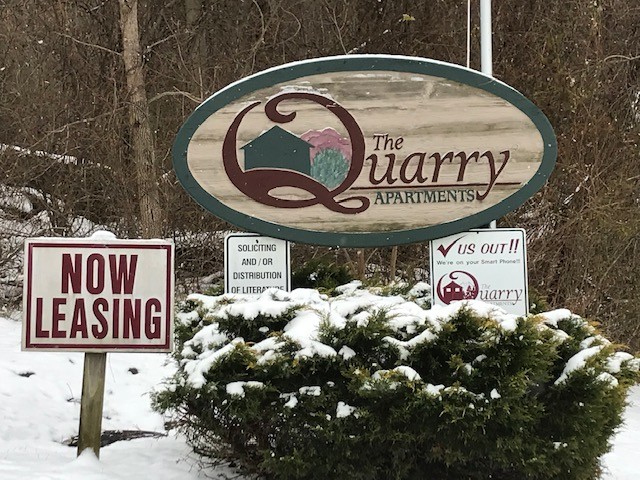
(193, 11)
(151, 214)
(362, 265)
(393, 264)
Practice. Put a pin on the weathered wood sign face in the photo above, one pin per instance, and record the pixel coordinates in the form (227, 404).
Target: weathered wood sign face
(364, 151)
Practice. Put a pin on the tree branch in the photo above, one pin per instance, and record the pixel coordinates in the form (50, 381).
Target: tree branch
(623, 58)
(177, 93)
(99, 47)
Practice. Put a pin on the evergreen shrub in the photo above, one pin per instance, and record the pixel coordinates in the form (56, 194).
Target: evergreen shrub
(361, 385)
(321, 273)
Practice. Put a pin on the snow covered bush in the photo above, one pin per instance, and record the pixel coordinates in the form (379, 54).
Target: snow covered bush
(366, 386)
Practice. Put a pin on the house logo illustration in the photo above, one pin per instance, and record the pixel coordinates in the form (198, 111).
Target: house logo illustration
(277, 148)
(457, 285)
(322, 163)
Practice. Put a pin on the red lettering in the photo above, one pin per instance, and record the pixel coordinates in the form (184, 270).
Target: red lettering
(122, 275)
(464, 160)
(40, 332)
(115, 321)
(152, 323)
(388, 175)
(71, 272)
(131, 317)
(98, 313)
(95, 273)
(58, 317)
(79, 320)
(417, 175)
(493, 174)
(439, 159)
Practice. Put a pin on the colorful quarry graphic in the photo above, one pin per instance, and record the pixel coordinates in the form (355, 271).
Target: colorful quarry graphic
(324, 155)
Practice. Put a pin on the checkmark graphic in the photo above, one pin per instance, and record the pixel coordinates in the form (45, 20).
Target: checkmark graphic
(444, 250)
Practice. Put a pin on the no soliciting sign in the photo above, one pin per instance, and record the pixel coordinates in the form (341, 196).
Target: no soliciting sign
(253, 263)
(98, 295)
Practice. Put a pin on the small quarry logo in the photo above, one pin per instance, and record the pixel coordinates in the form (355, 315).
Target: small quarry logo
(457, 285)
(321, 162)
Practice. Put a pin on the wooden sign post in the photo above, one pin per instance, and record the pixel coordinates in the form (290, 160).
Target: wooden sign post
(97, 295)
(91, 402)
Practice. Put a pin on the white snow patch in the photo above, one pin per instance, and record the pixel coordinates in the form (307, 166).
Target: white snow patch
(237, 388)
(346, 352)
(343, 410)
(554, 316)
(103, 235)
(315, 348)
(433, 389)
(313, 391)
(196, 369)
(420, 289)
(508, 323)
(606, 377)
(578, 361)
(349, 288)
(292, 402)
(615, 361)
(408, 372)
(587, 342)
(480, 358)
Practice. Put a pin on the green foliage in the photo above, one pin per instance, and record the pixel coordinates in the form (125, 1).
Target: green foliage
(320, 273)
(329, 167)
(368, 386)
(214, 290)
(537, 302)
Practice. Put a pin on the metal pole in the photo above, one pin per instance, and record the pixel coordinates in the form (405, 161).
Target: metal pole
(468, 33)
(486, 48)
(486, 52)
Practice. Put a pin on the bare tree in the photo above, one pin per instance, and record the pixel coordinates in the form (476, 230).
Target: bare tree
(142, 141)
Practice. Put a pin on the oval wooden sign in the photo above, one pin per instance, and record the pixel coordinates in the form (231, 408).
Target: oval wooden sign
(364, 150)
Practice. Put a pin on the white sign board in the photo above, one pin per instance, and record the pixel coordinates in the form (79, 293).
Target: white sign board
(253, 263)
(98, 295)
(487, 265)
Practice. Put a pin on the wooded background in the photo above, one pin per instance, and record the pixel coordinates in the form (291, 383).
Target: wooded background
(92, 93)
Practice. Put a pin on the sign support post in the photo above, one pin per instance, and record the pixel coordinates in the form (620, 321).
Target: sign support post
(91, 403)
(486, 49)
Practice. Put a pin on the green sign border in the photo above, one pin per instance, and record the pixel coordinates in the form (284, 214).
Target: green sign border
(362, 63)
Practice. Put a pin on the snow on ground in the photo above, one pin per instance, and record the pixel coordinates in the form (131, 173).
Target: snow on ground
(39, 409)
(621, 463)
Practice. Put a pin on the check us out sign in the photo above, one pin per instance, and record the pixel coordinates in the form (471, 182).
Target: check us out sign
(488, 265)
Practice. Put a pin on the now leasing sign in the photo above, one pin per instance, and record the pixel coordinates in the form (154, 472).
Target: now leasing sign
(487, 265)
(98, 295)
(364, 150)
